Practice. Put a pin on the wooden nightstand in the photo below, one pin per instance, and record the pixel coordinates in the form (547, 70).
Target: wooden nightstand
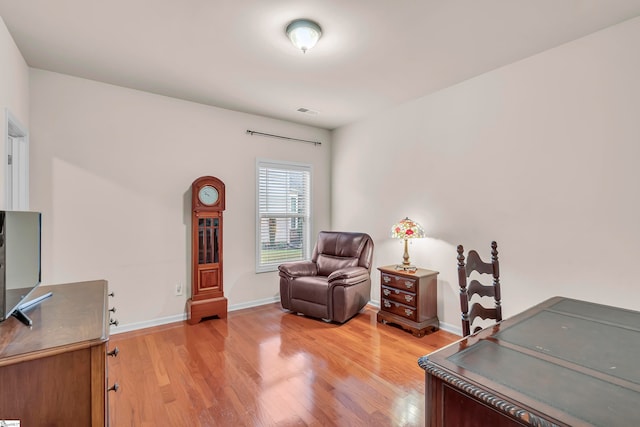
(409, 300)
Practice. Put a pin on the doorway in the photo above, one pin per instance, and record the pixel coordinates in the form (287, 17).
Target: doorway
(17, 165)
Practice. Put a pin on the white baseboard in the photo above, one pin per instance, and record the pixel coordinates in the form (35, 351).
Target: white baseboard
(444, 326)
(450, 328)
(255, 303)
(128, 327)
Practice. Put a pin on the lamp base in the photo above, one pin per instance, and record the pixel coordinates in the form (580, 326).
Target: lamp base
(407, 268)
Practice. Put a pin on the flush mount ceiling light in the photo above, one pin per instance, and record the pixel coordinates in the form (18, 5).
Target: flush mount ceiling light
(304, 34)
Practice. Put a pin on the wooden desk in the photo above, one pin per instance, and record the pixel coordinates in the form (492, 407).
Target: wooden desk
(55, 373)
(563, 362)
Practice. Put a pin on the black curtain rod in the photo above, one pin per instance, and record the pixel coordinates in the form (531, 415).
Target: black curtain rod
(253, 132)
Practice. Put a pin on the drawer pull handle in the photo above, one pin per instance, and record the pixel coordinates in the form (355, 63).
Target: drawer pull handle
(386, 279)
(408, 298)
(386, 292)
(408, 284)
(113, 322)
(114, 387)
(114, 352)
(112, 309)
(408, 312)
(397, 291)
(387, 304)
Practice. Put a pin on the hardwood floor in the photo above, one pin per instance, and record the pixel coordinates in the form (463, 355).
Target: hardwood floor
(266, 367)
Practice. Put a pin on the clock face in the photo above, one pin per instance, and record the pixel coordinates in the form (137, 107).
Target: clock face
(208, 195)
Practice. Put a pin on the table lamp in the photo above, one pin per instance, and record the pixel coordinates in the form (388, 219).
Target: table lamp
(406, 229)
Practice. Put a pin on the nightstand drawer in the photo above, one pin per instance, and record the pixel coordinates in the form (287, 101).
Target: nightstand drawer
(399, 309)
(399, 282)
(397, 295)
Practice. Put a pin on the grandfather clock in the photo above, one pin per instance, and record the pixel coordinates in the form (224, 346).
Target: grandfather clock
(207, 294)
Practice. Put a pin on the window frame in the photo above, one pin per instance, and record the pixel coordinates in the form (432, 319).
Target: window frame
(297, 220)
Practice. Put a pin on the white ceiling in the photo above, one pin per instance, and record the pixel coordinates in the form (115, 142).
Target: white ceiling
(235, 55)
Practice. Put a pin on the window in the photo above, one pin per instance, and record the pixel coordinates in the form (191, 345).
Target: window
(283, 213)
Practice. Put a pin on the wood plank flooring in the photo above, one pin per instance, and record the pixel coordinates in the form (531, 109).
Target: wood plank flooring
(267, 367)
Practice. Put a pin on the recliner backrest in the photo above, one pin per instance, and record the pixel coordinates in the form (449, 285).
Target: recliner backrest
(336, 250)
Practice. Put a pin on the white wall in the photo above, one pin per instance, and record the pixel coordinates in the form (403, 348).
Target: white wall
(14, 94)
(540, 155)
(111, 172)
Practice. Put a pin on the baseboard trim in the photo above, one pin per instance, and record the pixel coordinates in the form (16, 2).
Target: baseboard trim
(255, 303)
(457, 330)
(128, 327)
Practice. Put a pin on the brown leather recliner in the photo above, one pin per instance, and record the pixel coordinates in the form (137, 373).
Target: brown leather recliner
(336, 283)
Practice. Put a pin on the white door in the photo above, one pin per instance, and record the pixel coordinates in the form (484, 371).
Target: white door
(17, 162)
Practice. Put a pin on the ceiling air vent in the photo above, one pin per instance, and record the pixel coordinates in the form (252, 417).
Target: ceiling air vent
(307, 111)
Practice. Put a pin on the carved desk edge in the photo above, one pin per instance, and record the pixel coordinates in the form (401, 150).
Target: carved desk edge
(482, 395)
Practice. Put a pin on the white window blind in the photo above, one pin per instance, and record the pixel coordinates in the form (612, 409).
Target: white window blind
(283, 217)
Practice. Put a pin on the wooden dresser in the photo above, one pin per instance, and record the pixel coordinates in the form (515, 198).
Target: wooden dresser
(409, 299)
(55, 373)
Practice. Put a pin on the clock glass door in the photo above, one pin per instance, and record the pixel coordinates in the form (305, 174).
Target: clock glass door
(209, 255)
(209, 244)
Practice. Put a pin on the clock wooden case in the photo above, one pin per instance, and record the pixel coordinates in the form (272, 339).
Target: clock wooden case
(207, 291)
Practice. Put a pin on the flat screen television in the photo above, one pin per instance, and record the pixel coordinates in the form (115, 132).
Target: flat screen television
(20, 250)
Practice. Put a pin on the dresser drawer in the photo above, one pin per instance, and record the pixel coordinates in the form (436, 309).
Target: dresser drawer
(400, 309)
(398, 282)
(397, 295)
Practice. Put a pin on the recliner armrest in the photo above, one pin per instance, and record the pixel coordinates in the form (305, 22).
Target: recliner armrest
(348, 276)
(298, 268)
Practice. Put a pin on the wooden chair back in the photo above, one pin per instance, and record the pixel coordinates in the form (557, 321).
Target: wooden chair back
(475, 263)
